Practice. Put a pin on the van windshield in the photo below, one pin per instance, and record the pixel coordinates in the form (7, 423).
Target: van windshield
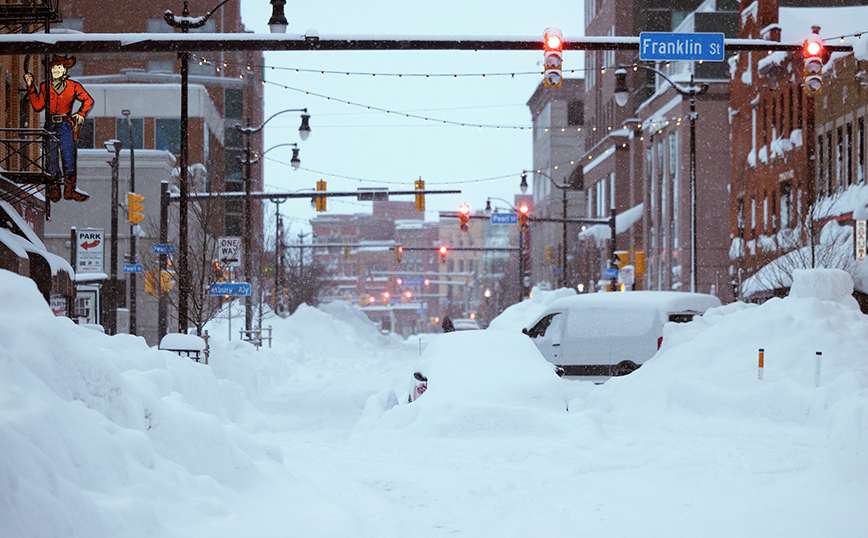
(598, 322)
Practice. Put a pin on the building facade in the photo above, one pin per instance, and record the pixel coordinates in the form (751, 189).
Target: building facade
(793, 152)
(557, 179)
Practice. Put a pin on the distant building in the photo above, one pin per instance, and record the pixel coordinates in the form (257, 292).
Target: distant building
(558, 136)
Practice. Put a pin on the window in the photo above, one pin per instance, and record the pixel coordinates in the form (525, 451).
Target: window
(849, 158)
(739, 217)
(234, 172)
(753, 213)
(821, 169)
(576, 112)
(765, 125)
(233, 220)
(161, 66)
(860, 171)
(122, 132)
(790, 115)
(168, 135)
(159, 26)
(839, 160)
(829, 161)
(233, 101)
(601, 198)
(786, 204)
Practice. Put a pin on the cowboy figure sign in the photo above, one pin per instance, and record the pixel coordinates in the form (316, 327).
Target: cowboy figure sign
(61, 121)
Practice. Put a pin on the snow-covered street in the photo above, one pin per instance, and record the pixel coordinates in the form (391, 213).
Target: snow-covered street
(103, 436)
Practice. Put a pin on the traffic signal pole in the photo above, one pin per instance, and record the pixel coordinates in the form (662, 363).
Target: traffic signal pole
(20, 44)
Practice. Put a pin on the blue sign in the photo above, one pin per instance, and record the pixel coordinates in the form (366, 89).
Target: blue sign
(665, 47)
(412, 282)
(234, 288)
(162, 249)
(133, 268)
(504, 218)
(610, 273)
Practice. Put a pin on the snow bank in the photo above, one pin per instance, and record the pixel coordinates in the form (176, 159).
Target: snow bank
(709, 367)
(478, 381)
(92, 427)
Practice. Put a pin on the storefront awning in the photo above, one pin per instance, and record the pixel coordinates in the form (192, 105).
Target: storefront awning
(623, 222)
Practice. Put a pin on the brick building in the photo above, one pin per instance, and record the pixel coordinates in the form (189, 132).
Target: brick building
(791, 150)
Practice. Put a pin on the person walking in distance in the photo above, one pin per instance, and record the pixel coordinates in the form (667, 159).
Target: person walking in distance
(63, 122)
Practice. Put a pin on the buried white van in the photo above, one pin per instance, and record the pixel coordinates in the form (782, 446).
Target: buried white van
(610, 334)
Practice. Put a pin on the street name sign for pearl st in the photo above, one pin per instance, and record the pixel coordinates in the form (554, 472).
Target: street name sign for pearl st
(666, 47)
(504, 218)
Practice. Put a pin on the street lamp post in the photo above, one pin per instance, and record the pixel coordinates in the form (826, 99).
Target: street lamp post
(690, 92)
(133, 227)
(521, 283)
(277, 24)
(247, 231)
(114, 147)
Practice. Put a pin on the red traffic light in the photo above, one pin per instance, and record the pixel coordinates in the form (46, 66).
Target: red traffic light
(523, 209)
(553, 39)
(464, 215)
(814, 54)
(443, 250)
(813, 47)
(553, 43)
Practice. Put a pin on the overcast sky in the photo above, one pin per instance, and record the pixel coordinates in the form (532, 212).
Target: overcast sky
(351, 141)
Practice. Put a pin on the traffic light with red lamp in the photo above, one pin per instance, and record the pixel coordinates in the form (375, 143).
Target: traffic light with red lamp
(815, 56)
(553, 42)
(443, 251)
(464, 216)
(524, 218)
(813, 51)
(399, 253)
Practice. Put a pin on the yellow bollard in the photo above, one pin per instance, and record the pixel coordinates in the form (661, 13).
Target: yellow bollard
(761, 353)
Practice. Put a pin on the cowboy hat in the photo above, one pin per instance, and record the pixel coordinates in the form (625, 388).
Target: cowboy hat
(63, 60)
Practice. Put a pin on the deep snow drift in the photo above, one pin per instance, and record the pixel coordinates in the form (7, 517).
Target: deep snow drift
(103, 436)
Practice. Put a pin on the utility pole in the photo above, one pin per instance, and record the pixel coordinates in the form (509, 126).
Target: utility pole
(133, 227)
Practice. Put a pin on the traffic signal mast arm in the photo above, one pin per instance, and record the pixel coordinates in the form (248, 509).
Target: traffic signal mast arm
(307, 194)
(20, 44)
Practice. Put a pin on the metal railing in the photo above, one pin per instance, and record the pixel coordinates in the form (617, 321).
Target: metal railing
(25, 156)
(256, 336)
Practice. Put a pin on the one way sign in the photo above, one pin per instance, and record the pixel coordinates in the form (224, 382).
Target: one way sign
(229, 251)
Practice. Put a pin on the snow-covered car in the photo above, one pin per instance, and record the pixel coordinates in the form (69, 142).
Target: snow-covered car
(465, 324)
(490, 367)
(610, 334)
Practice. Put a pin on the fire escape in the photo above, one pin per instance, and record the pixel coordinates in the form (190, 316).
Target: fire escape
(25, 153)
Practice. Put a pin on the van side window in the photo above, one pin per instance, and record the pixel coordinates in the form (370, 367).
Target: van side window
(682, 317)
(539, 329)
